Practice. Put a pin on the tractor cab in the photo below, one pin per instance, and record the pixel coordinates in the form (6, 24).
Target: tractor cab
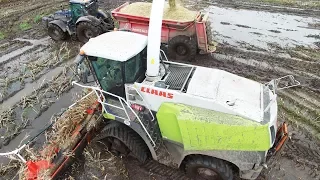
(81, 8)
(119, 62)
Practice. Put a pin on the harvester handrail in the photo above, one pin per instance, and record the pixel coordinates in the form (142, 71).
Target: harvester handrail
(81, 99)
(274, 83)
(120, 99)
(164, 54)
(15, 152)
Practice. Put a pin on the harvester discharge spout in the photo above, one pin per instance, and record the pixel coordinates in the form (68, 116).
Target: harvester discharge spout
(154, 39)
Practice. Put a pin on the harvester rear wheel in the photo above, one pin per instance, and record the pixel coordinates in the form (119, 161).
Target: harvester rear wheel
(86, 30)
(208, 168)
(122, 140)
(56, 33)
(182, 48)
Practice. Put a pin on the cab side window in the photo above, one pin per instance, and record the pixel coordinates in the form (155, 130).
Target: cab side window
(131, 69)
(136, 67)
(108, 73)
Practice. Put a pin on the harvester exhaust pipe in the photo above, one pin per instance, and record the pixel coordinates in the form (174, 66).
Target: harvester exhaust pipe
(154, 39)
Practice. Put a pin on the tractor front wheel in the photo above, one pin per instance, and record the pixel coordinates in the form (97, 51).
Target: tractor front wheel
(182, 48)
(86, 30)
(56, 33)
(208, 168)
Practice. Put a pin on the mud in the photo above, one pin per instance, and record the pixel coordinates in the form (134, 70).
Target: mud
(257, 40)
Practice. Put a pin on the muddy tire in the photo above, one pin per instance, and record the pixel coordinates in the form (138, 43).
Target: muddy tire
(107, 18)
(56, 33)
(123, 139)
(182, 48)
(86, 30)
(204, 167)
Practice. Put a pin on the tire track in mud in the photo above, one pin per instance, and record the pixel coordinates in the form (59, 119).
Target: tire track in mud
(31, 47)
(273, 66)
(299, 110)
(304, 157)
(23, 7)
(11, 46)
(287, 63)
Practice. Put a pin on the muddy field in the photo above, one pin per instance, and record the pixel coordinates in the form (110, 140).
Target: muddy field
(257, 39)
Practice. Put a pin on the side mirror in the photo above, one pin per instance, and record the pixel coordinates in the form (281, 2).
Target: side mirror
(81, 69)
(79, 59)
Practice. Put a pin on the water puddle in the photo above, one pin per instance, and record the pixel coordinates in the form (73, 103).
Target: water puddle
(20, 51)
(29, 88)
(260, 28)
(39, 123)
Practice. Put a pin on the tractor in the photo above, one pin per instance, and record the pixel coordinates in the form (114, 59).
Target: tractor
(83, 20)
(208, 122)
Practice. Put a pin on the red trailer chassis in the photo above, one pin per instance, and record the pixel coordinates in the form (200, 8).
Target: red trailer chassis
(185, 39)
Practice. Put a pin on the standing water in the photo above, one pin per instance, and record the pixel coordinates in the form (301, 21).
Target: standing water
(238, 27)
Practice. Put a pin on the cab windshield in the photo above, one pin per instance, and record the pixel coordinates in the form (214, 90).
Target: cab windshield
(108, 72)
(112, 75)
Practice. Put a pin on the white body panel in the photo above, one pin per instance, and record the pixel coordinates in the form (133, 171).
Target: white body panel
(154, 101)
(211, 89)
(239, 94)
(116, 45)
(154, 38)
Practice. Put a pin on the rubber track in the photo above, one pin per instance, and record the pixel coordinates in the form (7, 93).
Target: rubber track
(129, 138)
(163, 170)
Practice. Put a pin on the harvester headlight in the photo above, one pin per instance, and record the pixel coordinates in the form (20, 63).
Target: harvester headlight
(133, 95)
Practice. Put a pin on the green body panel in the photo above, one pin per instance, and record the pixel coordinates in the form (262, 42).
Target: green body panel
(109, 116)
(202, 129)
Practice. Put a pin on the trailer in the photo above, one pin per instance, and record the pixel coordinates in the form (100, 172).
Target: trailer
(184, 39)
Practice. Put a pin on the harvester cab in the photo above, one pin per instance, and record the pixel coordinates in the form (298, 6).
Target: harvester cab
(83, 20)
(209, 122)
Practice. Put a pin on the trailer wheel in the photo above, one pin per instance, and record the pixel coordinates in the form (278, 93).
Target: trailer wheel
(207, 168)
(123, 141)
(182, 48)
(56, 33)
(86, 30)
(107, 18)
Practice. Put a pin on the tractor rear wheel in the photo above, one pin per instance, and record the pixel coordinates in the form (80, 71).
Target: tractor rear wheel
(208, 168)
(123, 141)
(56, 33)
(86, 30)
(182, 48)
